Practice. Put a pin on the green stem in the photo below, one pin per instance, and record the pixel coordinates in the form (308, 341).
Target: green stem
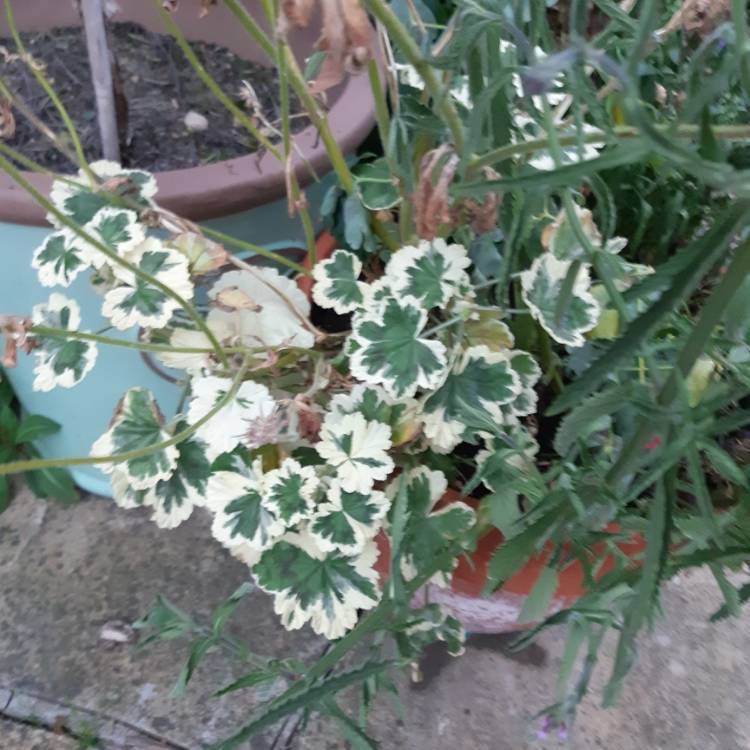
(713, 312)
(443, 325)
(382, 116)
(15, 467)
(442, 102)
(739, 16)
(210, 83)
(17, 177)
(64, 333)
(725, 132)
(54, 98)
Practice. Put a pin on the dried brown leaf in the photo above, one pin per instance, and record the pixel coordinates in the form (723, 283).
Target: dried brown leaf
(697, 17)
(297, 12)
(431, 203)
(10, 353)
(483, 216)
(206, 6)
(347, 38)
(169, 5)
(7, 120)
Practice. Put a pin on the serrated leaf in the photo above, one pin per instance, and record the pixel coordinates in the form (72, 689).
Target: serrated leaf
(432, 272)
(308, 585)
(392, 353)
(723, 463)
(256, 677)
(297, 698)
(562, 241)
(541, 289)
(470, 398)
(576, 425)
(336, 282)
(60, 361)
(35, 426)
(118, 229)
(197, 651)
(357, 449)
(137, 425)
(488, 330)
(536, 604)
(348, 520)
(59, 259)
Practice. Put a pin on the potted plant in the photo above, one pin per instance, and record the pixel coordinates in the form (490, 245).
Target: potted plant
(240, 201)
(492, 392)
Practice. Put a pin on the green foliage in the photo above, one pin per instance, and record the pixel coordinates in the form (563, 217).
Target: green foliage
(17, 437)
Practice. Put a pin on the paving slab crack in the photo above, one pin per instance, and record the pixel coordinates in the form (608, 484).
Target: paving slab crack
(43, 713)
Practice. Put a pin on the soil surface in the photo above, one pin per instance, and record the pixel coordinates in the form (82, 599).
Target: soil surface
(160, 88)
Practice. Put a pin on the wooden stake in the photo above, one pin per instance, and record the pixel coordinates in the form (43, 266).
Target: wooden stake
(100, 61)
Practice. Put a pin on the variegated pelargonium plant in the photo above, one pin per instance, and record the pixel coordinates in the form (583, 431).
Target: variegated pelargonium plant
(313, 452)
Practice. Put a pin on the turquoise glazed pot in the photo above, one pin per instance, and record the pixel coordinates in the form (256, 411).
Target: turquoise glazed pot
(243, 197)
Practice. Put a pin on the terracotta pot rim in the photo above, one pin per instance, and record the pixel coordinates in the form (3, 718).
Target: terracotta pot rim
(229, 186)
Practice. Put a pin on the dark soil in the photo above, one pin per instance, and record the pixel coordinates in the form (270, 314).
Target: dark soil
(160, 88)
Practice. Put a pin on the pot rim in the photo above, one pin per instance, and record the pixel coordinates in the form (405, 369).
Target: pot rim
(233, 185)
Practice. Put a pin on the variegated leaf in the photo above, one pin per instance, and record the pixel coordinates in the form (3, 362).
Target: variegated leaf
(470, 398)
(172, 500)
(336, 282)
(290, 492)
(138, 302)
(430, 532)
(137, 425)
(357, 449)
(389, 349)
(347, 520)
(427, 625)
(326, 590)
(60, 361)
(541, 289)
(118, 229)
(241, 517)
(432, 272)
(80, 200)
(59, 259)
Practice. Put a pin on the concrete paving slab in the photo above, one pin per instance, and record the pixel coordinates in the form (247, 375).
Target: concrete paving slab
(15, 736)
(66, 572)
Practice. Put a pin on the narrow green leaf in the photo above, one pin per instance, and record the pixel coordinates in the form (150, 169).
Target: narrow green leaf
(4, 493)
(537, 602)
(226, 609)
(358, 739)
(198, 650)
(657, 540)
(729, 592)
(35, 426)
(743, 594)
(301, 697)
(723, 463)
(251, 679)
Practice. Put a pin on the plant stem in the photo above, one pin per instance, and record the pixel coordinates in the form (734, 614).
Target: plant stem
(44, 83)
(14, 467)
(712, 313)
(726, 132)
(192, 313)
(440, 95)
(444, 324)
(382, 116)
(64, 333)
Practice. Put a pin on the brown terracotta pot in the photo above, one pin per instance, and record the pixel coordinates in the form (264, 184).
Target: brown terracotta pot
(225, 187)
(498, 613)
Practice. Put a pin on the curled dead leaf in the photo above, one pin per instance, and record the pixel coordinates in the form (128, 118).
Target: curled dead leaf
(309, 419)
(346, 37)
(697, 17)
(169, 5)
(7, 120)
(233, 298)
(203, 255)
(483, 215)
(431, 203)
(10, 352)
